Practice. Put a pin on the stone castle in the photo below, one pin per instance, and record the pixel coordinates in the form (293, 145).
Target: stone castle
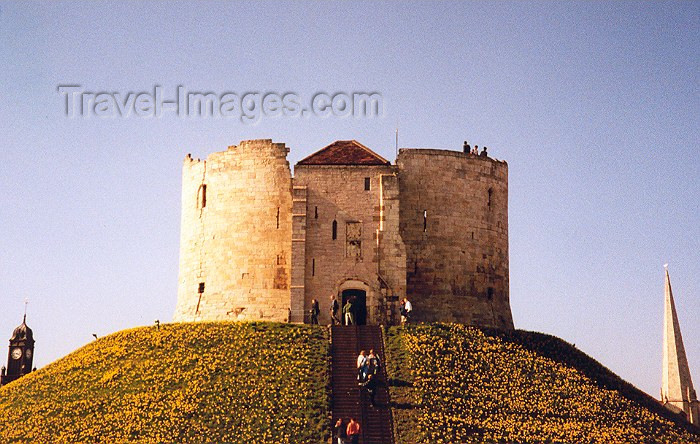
(258, 243)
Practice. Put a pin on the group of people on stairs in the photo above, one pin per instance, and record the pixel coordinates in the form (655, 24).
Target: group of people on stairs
(368, 371)
(368, 366)
(346, 433)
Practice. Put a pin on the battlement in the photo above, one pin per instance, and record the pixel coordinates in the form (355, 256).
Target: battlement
(404, 152)
(254, 147)
(189, 159)
(262, 146)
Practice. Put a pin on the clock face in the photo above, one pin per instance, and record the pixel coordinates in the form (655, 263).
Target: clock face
(28, 353)
(16, 353)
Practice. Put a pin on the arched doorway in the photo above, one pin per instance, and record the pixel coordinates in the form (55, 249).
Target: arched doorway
(359, 298)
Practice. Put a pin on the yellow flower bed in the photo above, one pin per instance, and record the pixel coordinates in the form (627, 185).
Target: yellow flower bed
(457, 384)
(204, 382)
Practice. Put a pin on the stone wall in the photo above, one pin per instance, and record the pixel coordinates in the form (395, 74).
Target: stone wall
(297, 308)
(337, 193)
(392, 250)
(236, 235)
(454, 223)
(259, 244)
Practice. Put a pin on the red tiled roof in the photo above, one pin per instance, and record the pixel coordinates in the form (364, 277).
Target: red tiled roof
(344, 152)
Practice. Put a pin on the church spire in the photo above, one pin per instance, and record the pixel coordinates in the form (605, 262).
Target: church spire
(677, 392)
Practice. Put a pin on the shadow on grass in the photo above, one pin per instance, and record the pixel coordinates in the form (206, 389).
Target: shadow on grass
(561, 351)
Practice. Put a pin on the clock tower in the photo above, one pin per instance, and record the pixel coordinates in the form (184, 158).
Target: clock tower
(20, 355)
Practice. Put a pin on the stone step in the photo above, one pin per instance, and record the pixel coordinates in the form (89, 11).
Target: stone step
(350, 400)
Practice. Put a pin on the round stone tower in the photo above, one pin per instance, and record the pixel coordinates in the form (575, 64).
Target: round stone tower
(454, 224)
(236, 235)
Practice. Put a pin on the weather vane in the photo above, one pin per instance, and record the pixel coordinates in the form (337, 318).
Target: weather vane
(26, 302)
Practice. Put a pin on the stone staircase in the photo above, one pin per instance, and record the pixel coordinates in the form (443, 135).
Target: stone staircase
(350, 400)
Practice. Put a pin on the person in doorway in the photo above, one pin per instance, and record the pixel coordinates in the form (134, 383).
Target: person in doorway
(373, 363)
(349, 312)
(334, 310)
(406, 309)
(353, 431)
(361, 366)
(314, 311)
(340, 432)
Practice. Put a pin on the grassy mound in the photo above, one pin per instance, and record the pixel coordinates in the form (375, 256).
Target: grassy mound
(265, 382)
(455, 384)
(204, 382)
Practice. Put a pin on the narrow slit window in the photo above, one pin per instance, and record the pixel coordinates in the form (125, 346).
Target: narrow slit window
(200, 290)
(490, 197)
(313, 267)
(334, 230)
(202, 196)
(278, 217)
(315, 212)
(490, 293)
(367, 184)
(425, 220)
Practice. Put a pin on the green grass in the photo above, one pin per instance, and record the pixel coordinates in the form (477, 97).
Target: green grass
(204, 382)
(451, 383)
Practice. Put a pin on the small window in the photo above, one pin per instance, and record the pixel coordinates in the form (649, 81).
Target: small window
(490, 196)
(335, 230)
(315, 212)
(367, 183)
(313, 267)
(489, 293)
(202, 196)
(278, 217)
(425, 220)
(199, 300)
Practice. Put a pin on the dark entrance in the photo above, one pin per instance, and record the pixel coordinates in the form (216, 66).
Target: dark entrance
(359, 302)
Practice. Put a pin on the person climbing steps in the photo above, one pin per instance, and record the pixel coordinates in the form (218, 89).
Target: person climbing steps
(353, 431)
(354, 393)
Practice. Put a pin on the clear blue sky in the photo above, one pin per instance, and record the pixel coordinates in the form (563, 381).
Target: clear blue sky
(594, 105)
